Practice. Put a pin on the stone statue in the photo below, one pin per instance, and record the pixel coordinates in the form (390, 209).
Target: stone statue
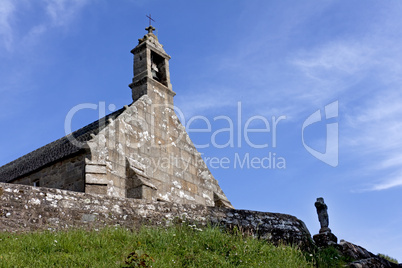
(325, 237)
(322, 215)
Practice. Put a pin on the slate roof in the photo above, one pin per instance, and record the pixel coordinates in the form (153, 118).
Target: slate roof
(57, 150)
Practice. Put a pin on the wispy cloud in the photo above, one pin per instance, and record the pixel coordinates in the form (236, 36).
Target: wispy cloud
(335, 59)
(374, 132)
(334, 67)
(61, 12)
(7, 9)
(365, 73)
(264, 80)
(23, 26)
(214, 98)
(394, 181)
(51, 14)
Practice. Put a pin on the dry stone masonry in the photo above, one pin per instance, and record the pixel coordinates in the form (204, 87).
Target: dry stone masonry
(27, 208)
(66, 174)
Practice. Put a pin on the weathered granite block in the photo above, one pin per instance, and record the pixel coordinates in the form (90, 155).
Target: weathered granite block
(325, 239)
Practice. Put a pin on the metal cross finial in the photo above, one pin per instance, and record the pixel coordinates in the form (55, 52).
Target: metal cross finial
(150, 19)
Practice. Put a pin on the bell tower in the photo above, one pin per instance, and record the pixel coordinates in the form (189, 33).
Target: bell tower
(151, 70)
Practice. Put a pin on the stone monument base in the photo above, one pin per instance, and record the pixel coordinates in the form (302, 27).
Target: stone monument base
(325, 239)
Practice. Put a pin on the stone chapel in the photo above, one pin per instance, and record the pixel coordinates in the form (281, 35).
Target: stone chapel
(140, 151)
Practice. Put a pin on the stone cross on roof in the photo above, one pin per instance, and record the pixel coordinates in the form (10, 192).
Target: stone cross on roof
(150, 19)
(150, 29)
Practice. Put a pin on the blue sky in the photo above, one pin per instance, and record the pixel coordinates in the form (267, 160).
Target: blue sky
(277, 58)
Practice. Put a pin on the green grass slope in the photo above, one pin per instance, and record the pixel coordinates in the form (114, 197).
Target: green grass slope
(179, 246)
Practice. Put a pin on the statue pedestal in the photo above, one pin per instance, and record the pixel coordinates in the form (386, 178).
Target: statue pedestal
(325, 239)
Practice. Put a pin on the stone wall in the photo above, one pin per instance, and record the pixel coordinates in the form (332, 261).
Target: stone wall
(26, 208)
(67, 174)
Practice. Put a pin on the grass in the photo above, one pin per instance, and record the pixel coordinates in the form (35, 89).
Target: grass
(388, 258)
(329, 257)
(179, 246)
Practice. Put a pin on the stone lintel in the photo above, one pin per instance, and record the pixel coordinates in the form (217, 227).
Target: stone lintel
(96, 179)
(95, 169)
(141, 181)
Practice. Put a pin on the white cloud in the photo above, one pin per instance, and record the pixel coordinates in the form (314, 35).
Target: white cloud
(364, 72)
(49, 13)
(213, 99)
(392, 161)
(374, 135)
(62, 12)
(393, 181)
(249, 66)
(7, 9)
(336, 61)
